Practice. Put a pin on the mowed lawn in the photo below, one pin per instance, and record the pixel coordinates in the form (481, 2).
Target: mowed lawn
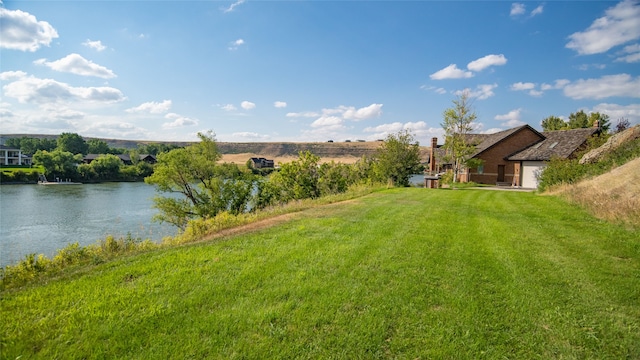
(403, 273)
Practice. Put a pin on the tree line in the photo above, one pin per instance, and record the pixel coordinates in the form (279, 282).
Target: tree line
(207, 188)
(62, 158)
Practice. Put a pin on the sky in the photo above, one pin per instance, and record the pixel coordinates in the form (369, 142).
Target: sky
(298, 71)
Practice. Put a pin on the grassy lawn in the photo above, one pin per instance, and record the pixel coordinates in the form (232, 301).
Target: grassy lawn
(403, 273)
(28, 170)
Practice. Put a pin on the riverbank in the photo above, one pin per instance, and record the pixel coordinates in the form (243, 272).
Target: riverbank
(407, 273)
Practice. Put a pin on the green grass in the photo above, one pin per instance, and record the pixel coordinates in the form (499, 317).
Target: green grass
(404, 273)
(28, 170)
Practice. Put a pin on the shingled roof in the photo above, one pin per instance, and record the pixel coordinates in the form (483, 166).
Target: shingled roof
(560, 143)
(492, 139)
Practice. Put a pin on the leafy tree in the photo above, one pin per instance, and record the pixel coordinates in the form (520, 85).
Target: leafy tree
(206, 188)
(553, 123)
(155, 148)
(107, 167)
(398, 158)
(457, 124)
(29, 145)
(299, 178)
(97, 146)
(72, 143)
(58, 164)
(335, 178)
(622, 125)
(578, 120)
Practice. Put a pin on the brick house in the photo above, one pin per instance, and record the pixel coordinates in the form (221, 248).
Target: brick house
(517, 156)
(494, 149)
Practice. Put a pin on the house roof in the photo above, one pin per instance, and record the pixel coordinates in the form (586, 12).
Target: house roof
(560, 143)
(491, 140)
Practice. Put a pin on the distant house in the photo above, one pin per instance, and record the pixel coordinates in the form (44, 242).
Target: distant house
(517, 156)
(12, 156)
(261, 163)
(125, 158)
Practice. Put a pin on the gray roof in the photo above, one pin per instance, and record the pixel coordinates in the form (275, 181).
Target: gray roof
(492, 139)
(560, 143)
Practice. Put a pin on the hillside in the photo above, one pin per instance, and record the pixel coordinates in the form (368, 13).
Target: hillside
(346, 152)
(613, 196)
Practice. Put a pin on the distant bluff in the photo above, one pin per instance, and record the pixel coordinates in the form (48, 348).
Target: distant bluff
(323, 150)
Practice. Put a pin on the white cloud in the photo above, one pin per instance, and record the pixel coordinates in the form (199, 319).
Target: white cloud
(22, 31)
(151, 107)
(511, 119)
(32, 89)
(236, 44)
(558, 84)
(367, 112)
(233, 6)
(451, 72)
(178, 121)
(308, 114)
(482, 92)
(633, 54)
(484, 62)
(76, 64)
(423, 133)
(97, 45)
(280, 104)
(607, 86)
(531, 87)
(520, 86)
(249, 135)
(330, 121)
(247, 105)
(615, 112)
(228, 107)
(585, 67)
(619, 25)
(517, 9)
(537, 11)
(10, 75)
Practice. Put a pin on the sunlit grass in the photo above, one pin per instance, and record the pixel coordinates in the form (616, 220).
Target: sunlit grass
(404, 273)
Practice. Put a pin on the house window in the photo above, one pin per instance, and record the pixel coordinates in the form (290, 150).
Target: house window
(480, 169)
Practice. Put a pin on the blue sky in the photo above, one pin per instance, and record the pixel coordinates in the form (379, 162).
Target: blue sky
(310, 70)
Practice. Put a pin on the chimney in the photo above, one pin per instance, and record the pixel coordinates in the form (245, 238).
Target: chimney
(432, 158)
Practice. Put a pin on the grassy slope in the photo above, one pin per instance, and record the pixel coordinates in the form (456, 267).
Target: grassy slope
(408, 273)
(612, 196)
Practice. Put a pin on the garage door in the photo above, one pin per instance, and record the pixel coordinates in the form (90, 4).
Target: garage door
(530, 171)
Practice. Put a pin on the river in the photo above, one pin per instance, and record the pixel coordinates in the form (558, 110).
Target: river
(43, 219)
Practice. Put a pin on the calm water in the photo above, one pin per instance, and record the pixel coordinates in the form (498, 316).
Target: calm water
(42, 219)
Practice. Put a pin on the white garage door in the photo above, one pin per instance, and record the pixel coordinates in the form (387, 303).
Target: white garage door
(530, 171)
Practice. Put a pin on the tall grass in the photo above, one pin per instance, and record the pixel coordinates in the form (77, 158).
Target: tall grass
(614, 196)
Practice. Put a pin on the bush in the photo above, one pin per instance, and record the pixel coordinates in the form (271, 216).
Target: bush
(563, 171)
